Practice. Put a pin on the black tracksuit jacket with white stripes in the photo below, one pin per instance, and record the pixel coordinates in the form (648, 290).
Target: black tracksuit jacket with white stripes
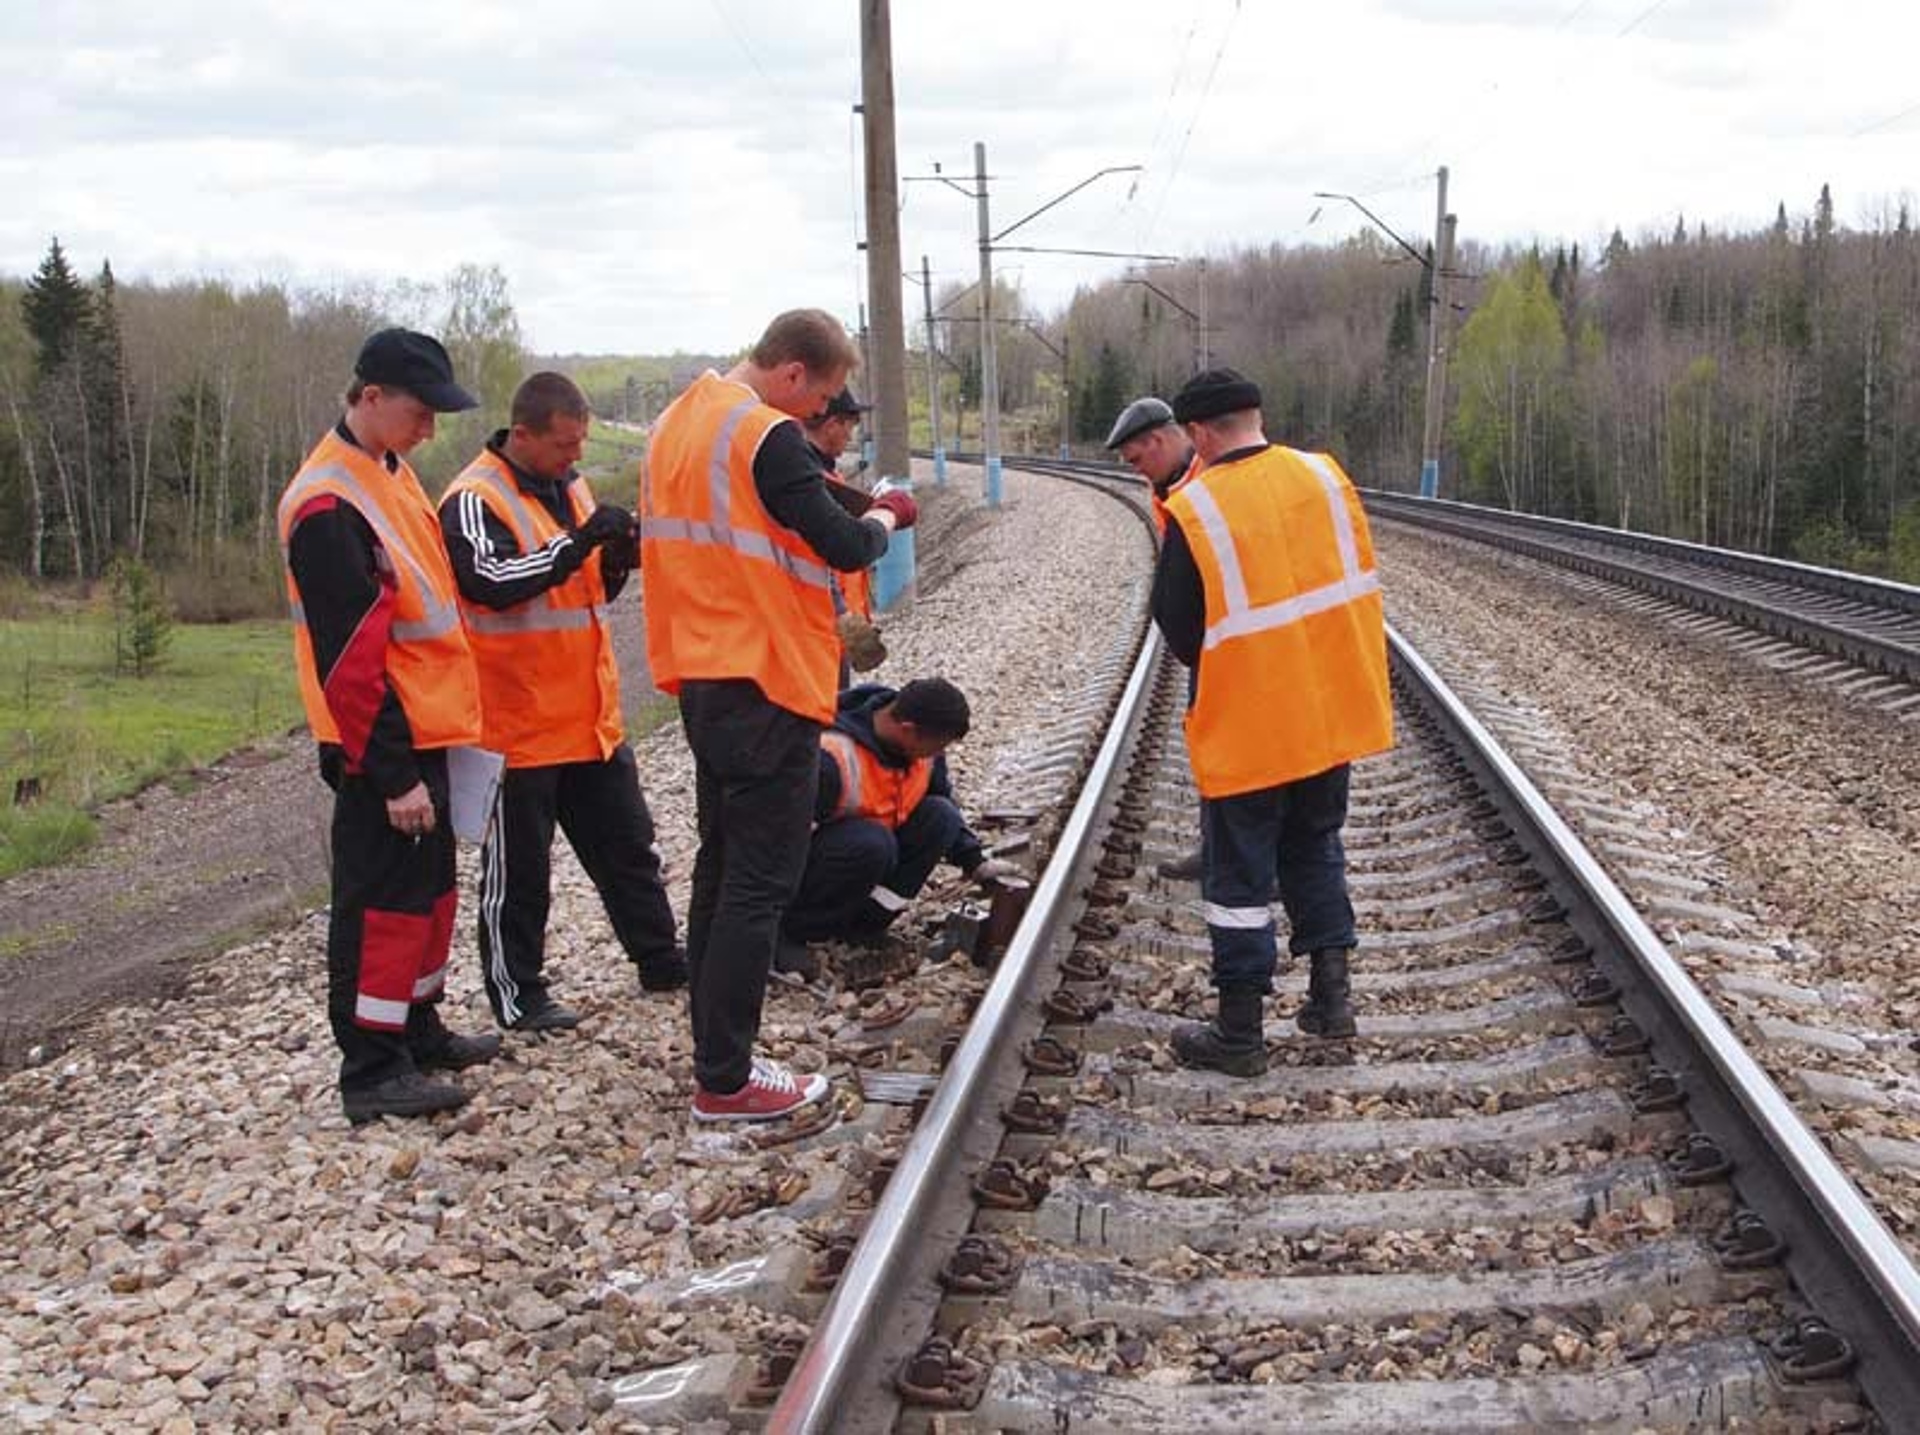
(487, 561)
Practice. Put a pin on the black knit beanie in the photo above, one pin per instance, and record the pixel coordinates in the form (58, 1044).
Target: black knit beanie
(1212, 393)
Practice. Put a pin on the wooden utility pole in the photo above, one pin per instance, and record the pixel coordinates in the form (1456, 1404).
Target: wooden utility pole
(887, 341)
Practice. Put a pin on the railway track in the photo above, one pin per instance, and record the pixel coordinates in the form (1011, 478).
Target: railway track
(1856, 632)
(1543, 1189)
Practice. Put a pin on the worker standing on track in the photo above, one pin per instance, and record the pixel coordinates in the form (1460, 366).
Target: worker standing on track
(537, 562)
(1153, 446)
(389, 684)
(738, 538)
(1266, 587)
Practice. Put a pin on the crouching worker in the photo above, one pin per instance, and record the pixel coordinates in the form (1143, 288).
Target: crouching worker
(884, 818)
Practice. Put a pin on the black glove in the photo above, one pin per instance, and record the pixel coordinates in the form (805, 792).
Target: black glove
(608, 523)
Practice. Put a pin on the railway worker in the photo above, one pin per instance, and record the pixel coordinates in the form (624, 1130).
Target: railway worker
(1151, 444)
(1266, 587)
(738, 536)
(828, 434)
(1155, 447)
(388, 682)
(884, 817)
(537, 562)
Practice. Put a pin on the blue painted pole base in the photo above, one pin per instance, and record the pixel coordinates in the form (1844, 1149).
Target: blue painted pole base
(993, 482)
(893, 575)
(940, 467)
(1430, 478)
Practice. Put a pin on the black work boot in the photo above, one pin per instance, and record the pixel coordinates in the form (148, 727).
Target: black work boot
(1328, 1010)
(1232, 1042)
(408, 1094)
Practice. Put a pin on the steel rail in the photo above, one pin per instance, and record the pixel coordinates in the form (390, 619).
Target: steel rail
(1860, 587)
(1844, 1259)
(840, 1349)
(1856, 641)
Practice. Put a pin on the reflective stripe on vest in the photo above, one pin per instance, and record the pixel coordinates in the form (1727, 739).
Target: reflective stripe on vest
(439, 616)
(720, 531)
(1241, 617)
(537, 620)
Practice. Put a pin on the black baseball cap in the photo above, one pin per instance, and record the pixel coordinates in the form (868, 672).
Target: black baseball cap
(844, 405)
(418, 363)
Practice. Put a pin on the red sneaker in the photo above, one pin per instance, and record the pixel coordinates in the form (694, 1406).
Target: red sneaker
(772, 1091)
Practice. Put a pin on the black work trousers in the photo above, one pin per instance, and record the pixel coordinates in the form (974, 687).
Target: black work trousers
(604, 814)
(860, 876)
(756, 772)
(389, 927)
(1284, 839)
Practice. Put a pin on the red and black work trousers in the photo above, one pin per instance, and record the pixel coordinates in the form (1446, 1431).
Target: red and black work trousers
(600, 807)
(390, 926)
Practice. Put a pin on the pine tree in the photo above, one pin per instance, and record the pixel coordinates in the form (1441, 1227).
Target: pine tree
(103, 371)
(56, 308)
(1401, 333)
(142, 618)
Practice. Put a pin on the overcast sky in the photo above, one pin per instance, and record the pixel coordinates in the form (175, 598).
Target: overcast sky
(656, 176)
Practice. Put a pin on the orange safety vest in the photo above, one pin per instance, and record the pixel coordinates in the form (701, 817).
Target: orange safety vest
(871, 789)
(857, 589)
(428, 661)
(1293, 669)
(728, 590)
(1160, 504)
(549, 687)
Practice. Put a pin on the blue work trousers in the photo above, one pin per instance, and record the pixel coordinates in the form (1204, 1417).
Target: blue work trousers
(860, 876)
(1284, 838)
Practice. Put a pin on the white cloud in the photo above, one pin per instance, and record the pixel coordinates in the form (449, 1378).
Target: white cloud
(661, 176)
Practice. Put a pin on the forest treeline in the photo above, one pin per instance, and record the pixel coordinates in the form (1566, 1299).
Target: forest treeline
(160, 422)
(1754, 390)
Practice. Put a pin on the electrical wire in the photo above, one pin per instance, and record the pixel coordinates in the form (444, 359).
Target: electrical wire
(1637, 20)
(1913, 109)
(746, 49)
(1206, 90)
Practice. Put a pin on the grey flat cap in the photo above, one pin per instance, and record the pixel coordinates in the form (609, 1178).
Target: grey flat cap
(1137, 417)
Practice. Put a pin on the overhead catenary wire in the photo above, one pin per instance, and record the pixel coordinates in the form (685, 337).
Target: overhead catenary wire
(1893, 119)
(1173, 174)
(1640, 19)
(740, 39)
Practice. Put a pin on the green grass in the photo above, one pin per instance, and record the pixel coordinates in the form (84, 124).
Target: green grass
(90, 735)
